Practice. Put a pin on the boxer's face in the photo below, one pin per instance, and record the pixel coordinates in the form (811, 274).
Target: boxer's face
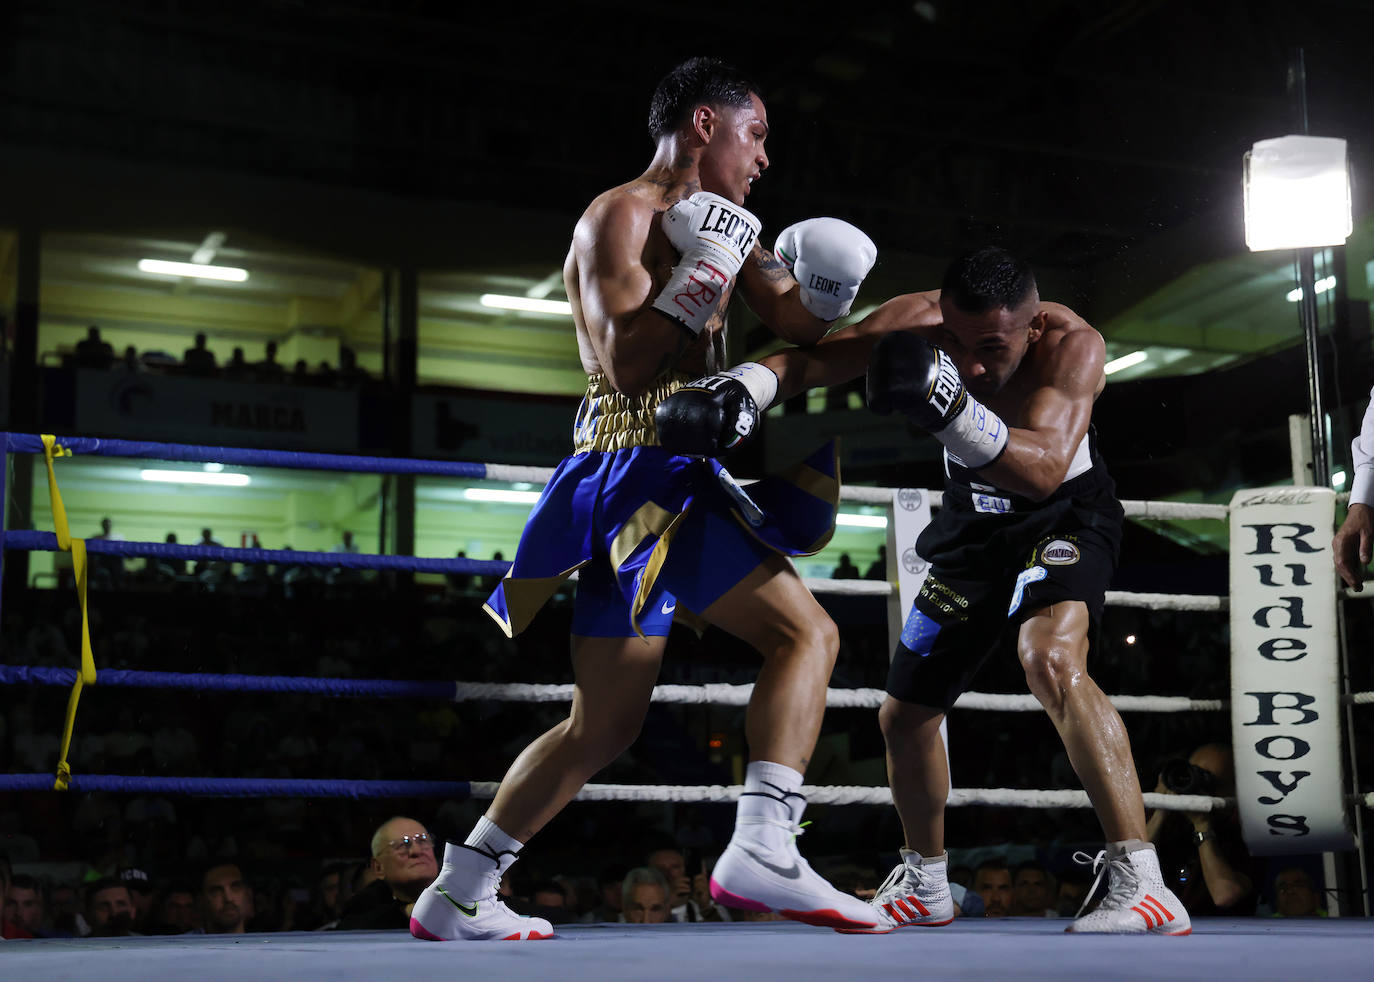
(734, 156)
(988, 347)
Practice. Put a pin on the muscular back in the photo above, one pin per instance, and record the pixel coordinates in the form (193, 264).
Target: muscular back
(619, 261)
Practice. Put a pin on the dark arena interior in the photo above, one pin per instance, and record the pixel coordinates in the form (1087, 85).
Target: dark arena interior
(259, 504)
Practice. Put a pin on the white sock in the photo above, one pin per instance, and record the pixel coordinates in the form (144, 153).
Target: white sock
(771, 791)
(487, 836)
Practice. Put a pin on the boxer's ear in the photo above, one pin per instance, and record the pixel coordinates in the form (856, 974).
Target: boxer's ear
(1037, 326)
(705, 120)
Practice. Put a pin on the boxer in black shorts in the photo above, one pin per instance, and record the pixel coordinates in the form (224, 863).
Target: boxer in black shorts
(994, 559)
(1024, 546)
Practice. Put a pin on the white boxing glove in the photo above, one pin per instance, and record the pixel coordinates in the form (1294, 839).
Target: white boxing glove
(829, 259)
(714, 236)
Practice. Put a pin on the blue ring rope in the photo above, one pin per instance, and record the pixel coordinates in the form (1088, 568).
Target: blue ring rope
(208, 682)
(47, 542)
(242, 787)
(30, 443)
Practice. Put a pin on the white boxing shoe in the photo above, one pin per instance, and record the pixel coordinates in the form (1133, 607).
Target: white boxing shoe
(462, 904)
(1137, 901)
(916, 893)
(756, 876)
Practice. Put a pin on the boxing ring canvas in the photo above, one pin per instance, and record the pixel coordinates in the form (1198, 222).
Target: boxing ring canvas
(977, 949)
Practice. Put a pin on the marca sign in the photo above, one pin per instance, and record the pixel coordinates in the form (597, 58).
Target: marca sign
(1285, 681)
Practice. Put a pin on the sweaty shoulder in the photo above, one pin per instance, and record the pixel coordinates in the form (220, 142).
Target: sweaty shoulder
(1075, 348)
(625, 209)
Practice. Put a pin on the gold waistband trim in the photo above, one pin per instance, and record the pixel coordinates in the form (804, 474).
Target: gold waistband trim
(608, 420)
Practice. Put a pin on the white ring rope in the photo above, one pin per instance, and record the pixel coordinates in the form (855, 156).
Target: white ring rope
(1117, 598)
(857, 795)
(725, 694)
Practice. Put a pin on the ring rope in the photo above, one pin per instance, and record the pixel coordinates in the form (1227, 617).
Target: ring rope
(712, 693)
(336, 788)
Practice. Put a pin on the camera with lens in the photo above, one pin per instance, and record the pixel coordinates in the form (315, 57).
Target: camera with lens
(1182, 777)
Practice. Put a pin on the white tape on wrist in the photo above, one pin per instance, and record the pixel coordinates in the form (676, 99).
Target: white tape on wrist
(977, 435)
(758, 379)
(693, 294)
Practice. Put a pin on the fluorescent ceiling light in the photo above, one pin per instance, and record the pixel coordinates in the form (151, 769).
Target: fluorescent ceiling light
(1338, 479)
(530, 304)
(1125, 361)
(200, 271)
(861, 521)
(1321, 286)
(214, 467)
(1297, 193)
(227, 478)
(503, 497)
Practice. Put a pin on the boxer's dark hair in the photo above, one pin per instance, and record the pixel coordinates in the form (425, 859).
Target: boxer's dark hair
(986, 279)
(692, 83)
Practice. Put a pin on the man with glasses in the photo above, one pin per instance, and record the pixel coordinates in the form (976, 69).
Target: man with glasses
(403, 860)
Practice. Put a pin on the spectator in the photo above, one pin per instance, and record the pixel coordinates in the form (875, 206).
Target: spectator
(347, 545)
(109, 909)
(236, 367)
(300, 373)
(846, 570)
(992, 882)
(1071, 892)
(269, 369)
(644, 897)
(93, 351)
(610, 889)
(130, 363)
(226, 900)
(174, 911)
(689, 895)
(24, 905)
(64, 908)
(1032, 891)
(877, 570)
(350, 373)
(210, 571)
(1203, 854)
(404, 864)
(325, 373)
(459, 582)
(1354, 540)
(8, 930)
(107, 571)
(140, 894)
(1295, 895)
(167, 568)
(199, 360)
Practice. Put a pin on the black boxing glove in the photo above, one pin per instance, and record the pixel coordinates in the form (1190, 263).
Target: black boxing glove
(907, 374)
(716, 413)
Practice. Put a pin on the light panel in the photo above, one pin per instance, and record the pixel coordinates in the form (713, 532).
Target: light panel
(1297, 193)
(532, 305)
(224, 478)
(200, 271)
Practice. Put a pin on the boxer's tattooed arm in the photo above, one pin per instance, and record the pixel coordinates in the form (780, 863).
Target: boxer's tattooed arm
(769, 265)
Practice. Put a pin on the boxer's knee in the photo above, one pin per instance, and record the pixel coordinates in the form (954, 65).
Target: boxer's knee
(907, 726)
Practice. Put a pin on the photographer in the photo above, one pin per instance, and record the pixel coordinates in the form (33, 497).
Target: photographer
(1202, 854)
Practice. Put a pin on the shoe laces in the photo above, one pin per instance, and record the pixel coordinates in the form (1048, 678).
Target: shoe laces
(898, 876)
(1122, 882)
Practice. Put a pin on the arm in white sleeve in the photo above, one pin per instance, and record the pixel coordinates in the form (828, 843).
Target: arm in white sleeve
(1362, 449)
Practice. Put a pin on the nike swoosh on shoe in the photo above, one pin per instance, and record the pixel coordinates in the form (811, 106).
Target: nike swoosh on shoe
(469, 911)
(791, 873)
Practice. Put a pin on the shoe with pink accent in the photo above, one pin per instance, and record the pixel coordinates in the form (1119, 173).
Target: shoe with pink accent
(761, 870)
(917, 892)
(1137, 901)
(462, 904)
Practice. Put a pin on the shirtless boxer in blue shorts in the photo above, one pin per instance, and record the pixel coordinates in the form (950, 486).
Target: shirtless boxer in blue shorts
(651, 270)
(1022, 548)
